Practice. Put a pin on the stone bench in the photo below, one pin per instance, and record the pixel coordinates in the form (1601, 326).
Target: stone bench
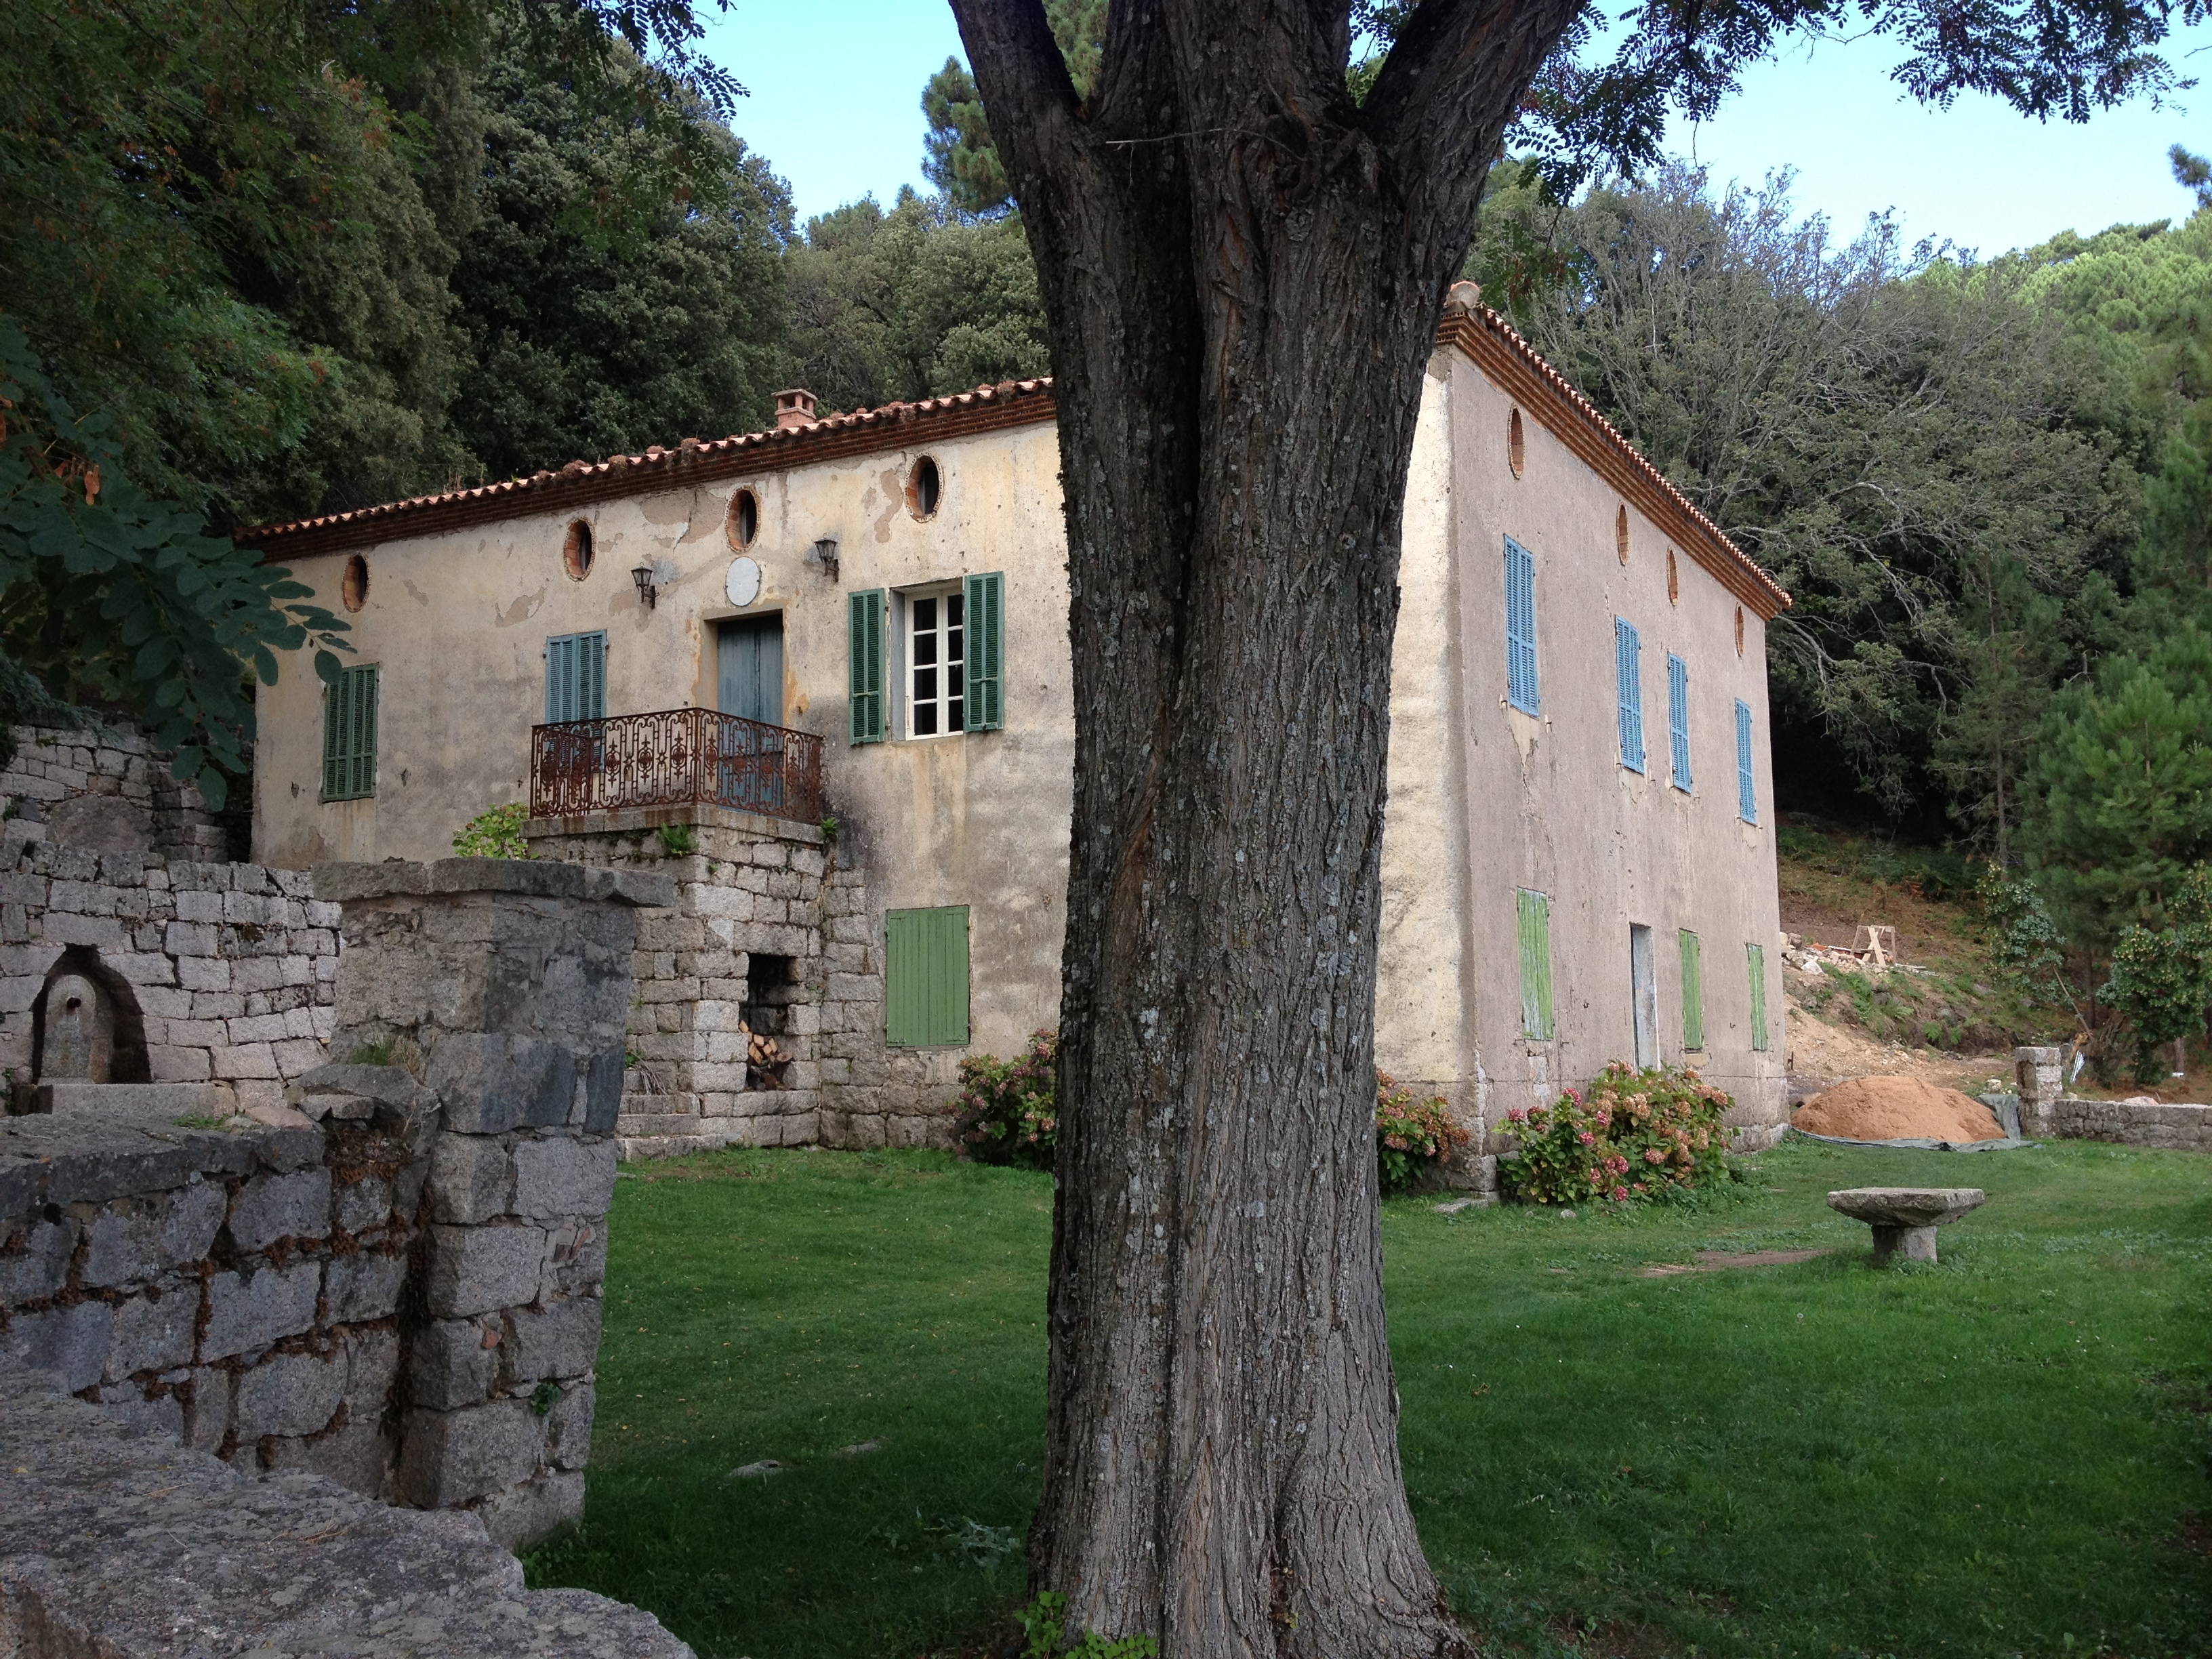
(1906, 1217)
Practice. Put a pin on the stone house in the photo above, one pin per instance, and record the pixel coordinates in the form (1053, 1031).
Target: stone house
(819, 674)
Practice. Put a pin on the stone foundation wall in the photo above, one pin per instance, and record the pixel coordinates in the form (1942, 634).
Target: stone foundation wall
(106, 788)
(223, 971)
(756, 892)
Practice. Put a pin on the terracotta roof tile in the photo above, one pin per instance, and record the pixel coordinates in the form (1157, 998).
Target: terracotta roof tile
(1010, 403)
(1485, 337)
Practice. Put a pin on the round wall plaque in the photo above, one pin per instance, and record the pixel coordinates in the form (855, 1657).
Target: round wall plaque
(744, 584)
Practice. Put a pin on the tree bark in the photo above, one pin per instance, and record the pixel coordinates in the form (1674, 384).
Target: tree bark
(1243, 273)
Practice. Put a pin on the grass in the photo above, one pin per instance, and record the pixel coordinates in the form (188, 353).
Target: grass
(2003, 1455)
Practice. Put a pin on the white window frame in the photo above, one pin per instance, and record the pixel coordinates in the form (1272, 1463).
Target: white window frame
(902, 653)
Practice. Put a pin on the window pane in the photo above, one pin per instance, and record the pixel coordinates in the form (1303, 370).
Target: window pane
(925, 720)
(925, 615)
(925, 685)
(925, 646)
(954, 605)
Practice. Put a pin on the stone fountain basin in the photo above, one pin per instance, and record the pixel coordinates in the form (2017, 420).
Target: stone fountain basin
(1906, 1206)
(1905, 1218)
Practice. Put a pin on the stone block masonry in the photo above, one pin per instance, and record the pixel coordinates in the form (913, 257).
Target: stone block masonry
(130, 1546)
(105, 788)
(239, 1290)
(210, 972)
(396, 1284)
(2048, 1112)
(506, 984)
(769, 937)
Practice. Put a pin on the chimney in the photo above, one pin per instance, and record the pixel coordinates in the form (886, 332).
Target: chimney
(794, 408)
(1463, 300)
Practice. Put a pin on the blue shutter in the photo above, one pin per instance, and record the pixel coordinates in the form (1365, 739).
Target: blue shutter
(1747, 790)
(575, 677)
(592, 676)
(1678, 717)
(1628, 670)
(1520, 629)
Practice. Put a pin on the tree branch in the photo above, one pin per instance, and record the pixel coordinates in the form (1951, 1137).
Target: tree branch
(1454, 79)
(1028, 96)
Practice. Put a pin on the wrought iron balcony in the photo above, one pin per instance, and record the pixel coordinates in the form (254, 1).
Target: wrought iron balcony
(676, 758)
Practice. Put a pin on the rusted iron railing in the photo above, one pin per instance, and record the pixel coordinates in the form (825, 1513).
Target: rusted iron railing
(676, 757)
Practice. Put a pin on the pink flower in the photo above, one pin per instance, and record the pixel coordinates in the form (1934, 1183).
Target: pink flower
(1653, 1155)
(1514, 1115)
(1587, 1139)
(1641, 1187)
(1575, 1096)
(1604, 1118)
(1620, 1194)
(1536, 1115)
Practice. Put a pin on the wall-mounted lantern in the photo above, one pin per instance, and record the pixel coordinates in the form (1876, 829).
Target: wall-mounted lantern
(823, 556)
(646, 593)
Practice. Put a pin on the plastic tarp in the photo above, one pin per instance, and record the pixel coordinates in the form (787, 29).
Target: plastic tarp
(2007, 1107)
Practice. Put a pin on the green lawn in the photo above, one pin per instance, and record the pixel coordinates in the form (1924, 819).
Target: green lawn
(2004, 1455)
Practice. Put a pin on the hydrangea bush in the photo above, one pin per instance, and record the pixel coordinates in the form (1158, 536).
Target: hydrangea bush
(1009, 1111)
(1412, 1137)
(1639, 1136)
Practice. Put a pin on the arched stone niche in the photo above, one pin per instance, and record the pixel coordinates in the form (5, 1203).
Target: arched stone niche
(86, 1025)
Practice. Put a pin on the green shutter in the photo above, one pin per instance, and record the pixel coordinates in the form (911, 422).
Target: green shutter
(1535, 965)
(926, 977)
(863, 615)
(985, 615)
(350, 735)
(1693, 994)
(1757, 954)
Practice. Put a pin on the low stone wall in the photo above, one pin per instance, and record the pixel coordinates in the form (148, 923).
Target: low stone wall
(2185, 1127)
(106, 788)
(131, 1546)
(2047, 1112)
(398, 1284)
(213, 971)
(237, 1289)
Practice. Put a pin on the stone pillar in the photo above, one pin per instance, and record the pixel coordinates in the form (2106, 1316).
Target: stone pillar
(2042, 1079)
(505, 984)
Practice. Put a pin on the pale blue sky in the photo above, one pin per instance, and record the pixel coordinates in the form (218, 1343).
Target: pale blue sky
(837, 90)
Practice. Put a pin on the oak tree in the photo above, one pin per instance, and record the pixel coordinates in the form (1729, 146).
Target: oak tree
(1243, 270)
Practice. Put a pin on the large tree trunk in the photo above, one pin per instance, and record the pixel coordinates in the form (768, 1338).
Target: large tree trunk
(1243, 274)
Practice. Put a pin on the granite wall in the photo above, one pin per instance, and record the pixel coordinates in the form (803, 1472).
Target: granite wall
(392, 1279)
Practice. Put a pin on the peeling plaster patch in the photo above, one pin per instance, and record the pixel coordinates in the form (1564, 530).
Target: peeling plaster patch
(522, 610)
(1524, 730)
(894, 492)
(415, 593)
(670, 508)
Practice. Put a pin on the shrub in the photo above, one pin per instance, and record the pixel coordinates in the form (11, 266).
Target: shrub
(677, 840)
(495, 833)
(1412, 1137)
(1008, 1109)
(1641, 1136)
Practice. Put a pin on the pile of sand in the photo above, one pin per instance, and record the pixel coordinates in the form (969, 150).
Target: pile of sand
(1897, 1109)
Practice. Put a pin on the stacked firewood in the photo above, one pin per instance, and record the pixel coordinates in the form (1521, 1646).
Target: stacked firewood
(762, 1049)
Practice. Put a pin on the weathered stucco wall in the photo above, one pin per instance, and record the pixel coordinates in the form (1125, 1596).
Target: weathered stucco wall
(1549, 807)
(457, 623)
(1482, 799)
